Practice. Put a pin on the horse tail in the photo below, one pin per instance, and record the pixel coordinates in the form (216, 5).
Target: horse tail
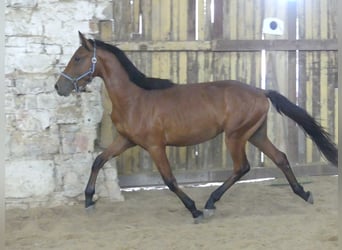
(307, 123)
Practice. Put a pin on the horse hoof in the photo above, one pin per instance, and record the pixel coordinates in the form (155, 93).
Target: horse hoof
(199, 219)
(90, 209)
(310, 198)
(208, 213)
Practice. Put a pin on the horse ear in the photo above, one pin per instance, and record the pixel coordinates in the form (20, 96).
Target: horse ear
(84, 42)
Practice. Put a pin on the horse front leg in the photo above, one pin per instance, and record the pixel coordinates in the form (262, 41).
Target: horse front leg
(159, 157)
(119, 145)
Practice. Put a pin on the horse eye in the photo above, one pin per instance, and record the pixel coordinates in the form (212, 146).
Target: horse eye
(77, 58)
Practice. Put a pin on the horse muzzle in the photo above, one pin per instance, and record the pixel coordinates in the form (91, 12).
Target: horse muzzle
(63, 88)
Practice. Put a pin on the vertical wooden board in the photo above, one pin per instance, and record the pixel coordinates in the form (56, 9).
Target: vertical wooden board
(122, 23)
(233, 58)
(146, 9)
(204, 66)
(200, 20)
(316, 22)
(203, 19)
(191, 20)
(226, 20)
(183, 16)
(309, 105)
(309, 16)
(164, 65)
(201, 67)
(220, 66)
(155, 24)
(323, 10)
(147, 59)
(256, 76)
(192, 67)
(249, 21)
(217, 28)
(301, 18)
(324, 89)
(302, 80)
(208, 25)
(239, 22)
(175, 20)
(174, 67)
(155, 69)
(249, 62)
(258, 17)
(324, 92)
(135, 15)
(332, 83)
(233, 17)
(165, 20)
(182, 67)
(332, 19)
(276, 79)
(316, 89)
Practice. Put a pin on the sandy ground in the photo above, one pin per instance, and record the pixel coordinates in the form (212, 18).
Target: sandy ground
(254, 216)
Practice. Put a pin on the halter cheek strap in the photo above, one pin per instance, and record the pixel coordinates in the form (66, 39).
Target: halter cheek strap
(90, 72)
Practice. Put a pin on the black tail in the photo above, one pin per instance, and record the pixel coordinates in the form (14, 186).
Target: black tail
(308, 124)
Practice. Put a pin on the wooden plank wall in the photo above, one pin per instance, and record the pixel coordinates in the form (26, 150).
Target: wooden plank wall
(181, 34)
(318, 70)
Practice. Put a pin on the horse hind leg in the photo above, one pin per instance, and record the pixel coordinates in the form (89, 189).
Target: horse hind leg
(261, 141)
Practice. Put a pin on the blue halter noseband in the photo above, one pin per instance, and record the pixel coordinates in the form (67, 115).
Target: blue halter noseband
(90, 72)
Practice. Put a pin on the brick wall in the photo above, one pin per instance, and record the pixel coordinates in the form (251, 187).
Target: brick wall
(50, 139)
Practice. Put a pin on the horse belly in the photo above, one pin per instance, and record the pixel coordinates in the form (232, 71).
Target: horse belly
(186, 136)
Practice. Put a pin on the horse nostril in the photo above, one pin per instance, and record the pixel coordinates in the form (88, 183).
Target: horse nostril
(56, 87)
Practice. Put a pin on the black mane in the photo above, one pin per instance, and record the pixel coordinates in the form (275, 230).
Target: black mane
(134, 74)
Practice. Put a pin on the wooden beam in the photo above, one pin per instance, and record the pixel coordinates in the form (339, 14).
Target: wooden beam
(275, 45)
(231, 45)
(165, 46)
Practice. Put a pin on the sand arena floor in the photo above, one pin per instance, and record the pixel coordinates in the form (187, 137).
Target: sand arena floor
(254, 216)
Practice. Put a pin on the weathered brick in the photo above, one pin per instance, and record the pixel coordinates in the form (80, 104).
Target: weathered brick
(33, 84)
(33, 120)
(76, 139)
(29, 178)
(47, 101)
(34, 144)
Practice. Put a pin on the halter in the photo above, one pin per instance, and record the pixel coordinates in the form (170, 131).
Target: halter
(90, 72)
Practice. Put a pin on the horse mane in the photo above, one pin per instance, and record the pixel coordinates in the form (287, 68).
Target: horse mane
(135, 75)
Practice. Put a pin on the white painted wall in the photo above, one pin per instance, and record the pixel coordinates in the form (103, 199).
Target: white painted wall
(50, 139)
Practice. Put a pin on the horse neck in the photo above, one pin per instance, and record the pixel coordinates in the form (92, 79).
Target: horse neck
(119, 87)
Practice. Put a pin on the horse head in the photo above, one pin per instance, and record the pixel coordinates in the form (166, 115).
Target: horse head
(79, 70)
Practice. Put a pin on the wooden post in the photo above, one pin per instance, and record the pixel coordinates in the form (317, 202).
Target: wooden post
(292, 95)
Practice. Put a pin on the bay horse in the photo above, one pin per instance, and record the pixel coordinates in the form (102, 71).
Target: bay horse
(154, 113)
